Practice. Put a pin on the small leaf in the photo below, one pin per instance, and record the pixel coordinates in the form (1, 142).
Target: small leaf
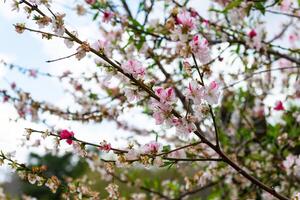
(232, 5)
(95, 16)
(166, 148)
(260, 7)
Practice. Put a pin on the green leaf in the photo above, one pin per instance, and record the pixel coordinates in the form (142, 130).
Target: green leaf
(95, 16)
(93, 96)
(180, 66)
(232, 5)
(166, 148)
(135, 23)
(260, 7)
(140, 43)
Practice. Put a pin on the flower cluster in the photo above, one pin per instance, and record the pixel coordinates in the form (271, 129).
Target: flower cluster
(162, 108)
(201, 49)
(135, 68)
(292, 165)
(210, 94)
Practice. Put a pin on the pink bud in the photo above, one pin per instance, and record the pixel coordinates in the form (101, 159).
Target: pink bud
(66, 135)
(90, 1)
(252, 33)
(279, 106)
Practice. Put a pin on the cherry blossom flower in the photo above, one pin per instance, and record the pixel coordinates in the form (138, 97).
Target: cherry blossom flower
(43, 21)
(279, 106)
(66, 135)
(15, 6)
(255, 38)
(132, 154)
(152, 147)
(107, 16)
(162, 108)
(185, 19)
(133, 93)
(82, 50)
(58, 24)
(195, 92)
(212, 93)
(285, 5)
(113, 191)
(177, 34)
(134, 68)
(289, 161)
(166, 96)
(53, 183)
(184, 127)
(79, 149)
(102, 46)
(296, 196)
(104, 146)
(187, 67)
(201, 49)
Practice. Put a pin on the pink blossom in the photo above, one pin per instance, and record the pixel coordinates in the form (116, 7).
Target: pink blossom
(162, 108)
(107, 16)
(283, 63)
(279, 106)
(255, 38)
(186, 20)
(289, 161)
(102, 46)
(66, 135)
(104, 146)
(134, 68)
(184, 127)
(166, 96)
(195, 92)
(201, 49)
(212, 93)
(91, 2)
(177, 34)
(151, 147)
(252, 33)
(133, 93)
(161, 111)
(285, 5)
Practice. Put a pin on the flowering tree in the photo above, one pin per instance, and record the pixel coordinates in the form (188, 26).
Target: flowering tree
(211, 85)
